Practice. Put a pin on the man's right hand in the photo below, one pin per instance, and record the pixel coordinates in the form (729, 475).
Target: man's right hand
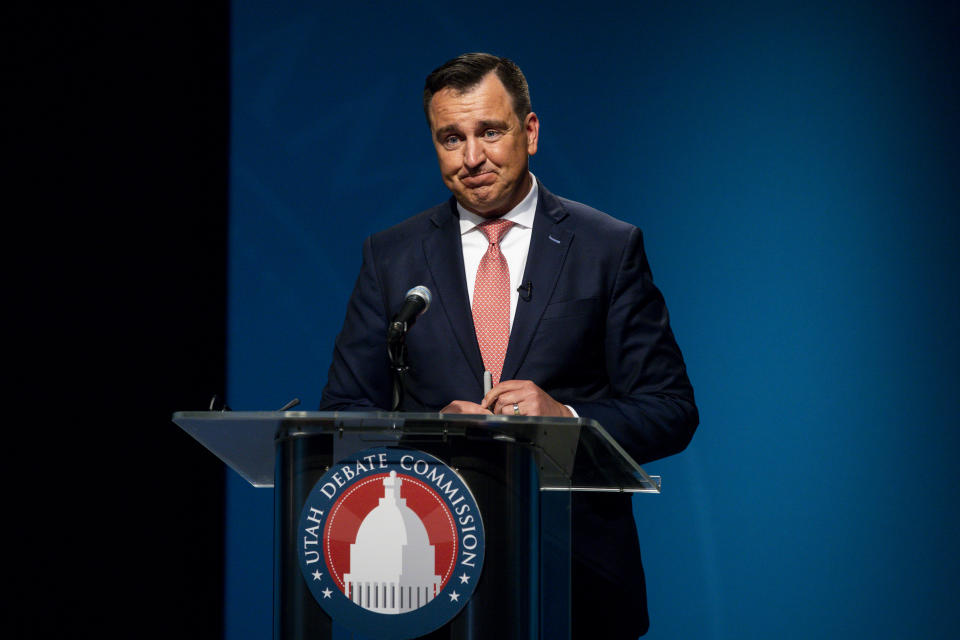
(464, 406)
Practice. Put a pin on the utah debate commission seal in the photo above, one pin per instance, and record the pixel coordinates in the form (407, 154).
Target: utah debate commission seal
(391, 543)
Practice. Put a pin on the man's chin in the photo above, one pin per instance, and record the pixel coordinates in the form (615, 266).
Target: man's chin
(480, 201)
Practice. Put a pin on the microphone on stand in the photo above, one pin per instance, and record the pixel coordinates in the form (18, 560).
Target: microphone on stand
(414, 305)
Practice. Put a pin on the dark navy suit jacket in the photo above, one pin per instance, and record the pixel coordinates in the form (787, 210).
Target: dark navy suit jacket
(594, 335)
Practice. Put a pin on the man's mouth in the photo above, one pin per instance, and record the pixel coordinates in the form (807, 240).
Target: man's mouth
(479, 179)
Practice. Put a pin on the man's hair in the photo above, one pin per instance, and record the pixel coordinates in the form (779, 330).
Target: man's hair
(467, 70)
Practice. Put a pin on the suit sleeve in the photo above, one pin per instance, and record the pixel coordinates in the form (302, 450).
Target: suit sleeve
(650, 410)
(359, 377)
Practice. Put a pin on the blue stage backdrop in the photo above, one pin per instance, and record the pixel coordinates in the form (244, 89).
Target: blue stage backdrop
(795, 169)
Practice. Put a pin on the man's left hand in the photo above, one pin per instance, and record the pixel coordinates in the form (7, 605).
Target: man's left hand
(530, 400)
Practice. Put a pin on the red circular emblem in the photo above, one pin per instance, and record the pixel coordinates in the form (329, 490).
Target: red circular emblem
(353, 506)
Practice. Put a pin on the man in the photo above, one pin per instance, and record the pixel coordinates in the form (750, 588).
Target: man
(554, 299)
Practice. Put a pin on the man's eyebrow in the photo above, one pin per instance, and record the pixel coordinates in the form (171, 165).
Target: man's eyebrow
(492, 124)
(444, 131)
(482, 125)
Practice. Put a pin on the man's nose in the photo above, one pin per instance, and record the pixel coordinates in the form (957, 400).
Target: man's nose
(473, 156)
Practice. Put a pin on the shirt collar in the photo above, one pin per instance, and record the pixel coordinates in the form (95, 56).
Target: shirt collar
(521, 215)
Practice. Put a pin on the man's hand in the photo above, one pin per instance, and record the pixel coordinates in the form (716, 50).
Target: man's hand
(464, 406)
(530, 400)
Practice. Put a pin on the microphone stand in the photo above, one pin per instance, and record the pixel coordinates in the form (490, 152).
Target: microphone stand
(397, 354)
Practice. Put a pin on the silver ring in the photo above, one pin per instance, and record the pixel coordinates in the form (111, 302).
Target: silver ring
(516, 409)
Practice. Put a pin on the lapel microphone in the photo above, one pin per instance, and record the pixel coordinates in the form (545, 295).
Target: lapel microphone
(526, 291)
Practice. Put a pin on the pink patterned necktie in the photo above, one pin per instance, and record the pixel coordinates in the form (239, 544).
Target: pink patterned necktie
(491, 300)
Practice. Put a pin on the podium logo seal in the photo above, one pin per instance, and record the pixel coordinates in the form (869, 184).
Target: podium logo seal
(391, 542)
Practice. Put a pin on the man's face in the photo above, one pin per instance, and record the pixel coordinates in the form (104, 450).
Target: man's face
(482, 146)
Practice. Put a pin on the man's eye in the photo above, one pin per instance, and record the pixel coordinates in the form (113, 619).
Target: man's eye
(451, 141)
(491, 134)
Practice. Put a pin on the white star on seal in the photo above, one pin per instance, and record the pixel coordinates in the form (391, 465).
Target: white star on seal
(326, 593)
(454, 596)
(316, 575)
(464, 579)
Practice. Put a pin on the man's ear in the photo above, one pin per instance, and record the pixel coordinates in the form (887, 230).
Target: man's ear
(531, 127)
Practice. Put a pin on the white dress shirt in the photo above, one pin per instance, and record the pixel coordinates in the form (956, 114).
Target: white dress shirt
(514, 245)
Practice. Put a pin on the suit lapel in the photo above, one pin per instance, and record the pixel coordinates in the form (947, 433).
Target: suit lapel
(443, 252)
(548, 249)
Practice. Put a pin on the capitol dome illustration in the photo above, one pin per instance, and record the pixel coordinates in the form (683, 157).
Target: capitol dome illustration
(392, 561)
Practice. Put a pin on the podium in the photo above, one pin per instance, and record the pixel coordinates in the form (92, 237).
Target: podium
(520, 471)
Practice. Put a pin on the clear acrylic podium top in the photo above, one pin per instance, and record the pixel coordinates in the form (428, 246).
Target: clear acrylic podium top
(572, 454)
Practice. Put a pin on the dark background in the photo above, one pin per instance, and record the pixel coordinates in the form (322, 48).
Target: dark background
(116, 251)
